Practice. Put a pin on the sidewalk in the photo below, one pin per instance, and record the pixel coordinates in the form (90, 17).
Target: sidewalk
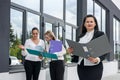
(113, 77)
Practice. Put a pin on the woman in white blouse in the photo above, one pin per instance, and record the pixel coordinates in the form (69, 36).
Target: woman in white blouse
(56, 65)
(90, 68)
(32, 63)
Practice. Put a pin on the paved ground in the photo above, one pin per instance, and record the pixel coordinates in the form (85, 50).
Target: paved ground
(113, 77)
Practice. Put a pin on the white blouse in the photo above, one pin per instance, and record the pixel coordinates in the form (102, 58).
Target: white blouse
(85, 39)
(31, 45)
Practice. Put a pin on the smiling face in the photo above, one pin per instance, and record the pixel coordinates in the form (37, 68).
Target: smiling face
(48, 38)
(49, 35)
(90, 23)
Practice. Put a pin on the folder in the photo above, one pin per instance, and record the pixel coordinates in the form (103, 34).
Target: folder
(44, 54)
(55, 46)
(95, 48)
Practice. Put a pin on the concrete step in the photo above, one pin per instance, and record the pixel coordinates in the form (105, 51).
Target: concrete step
(112, 77)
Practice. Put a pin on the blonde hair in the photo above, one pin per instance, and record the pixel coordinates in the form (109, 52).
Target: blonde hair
(50, 34)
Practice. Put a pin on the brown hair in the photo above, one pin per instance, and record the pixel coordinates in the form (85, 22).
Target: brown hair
(50, 34)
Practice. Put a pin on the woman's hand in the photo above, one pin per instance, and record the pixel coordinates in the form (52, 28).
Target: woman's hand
(21, 47)
(70, 50)
(93, 60)
(40, 57)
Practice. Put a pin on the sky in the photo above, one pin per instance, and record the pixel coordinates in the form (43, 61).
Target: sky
(117, 2)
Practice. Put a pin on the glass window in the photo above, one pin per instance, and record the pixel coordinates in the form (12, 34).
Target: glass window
(59, 32)
(74, 34)
(15, 36)
(98, 15)
(114, 24)
(119, 41)
(48, 26)
(68, 33)
(89, 6)
(54, 8)
(32, 21)
(71, 11)
(32, 4)
(116, 37)
(103, 20)
(117, 31)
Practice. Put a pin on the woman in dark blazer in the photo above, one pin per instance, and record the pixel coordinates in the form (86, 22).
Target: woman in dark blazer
(90, 68)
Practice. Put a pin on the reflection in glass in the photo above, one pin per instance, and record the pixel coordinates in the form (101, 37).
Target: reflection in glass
(89, 6)
(103, 20)
(117, 39)
(114, 24)
(32, 21)
(98, 15)
(74, 34)
(59, 32)
(116, 36)
(68, 32)
(117, 30)
(48, 26)
(15, 37)
(32, 4)
(54, 8)
(71, 11)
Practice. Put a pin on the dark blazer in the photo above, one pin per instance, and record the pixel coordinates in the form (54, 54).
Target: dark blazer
(96, 34)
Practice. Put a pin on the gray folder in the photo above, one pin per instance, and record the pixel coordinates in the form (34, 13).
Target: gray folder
(95, 48)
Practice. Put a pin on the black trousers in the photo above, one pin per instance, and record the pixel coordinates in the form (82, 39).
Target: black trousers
(57, 70)
(32, 69)
(90, 72)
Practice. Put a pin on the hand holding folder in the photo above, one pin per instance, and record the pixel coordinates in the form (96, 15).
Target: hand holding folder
(44, 54)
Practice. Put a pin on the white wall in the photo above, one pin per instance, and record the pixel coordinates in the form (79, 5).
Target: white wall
(110, 68)
(71, 73)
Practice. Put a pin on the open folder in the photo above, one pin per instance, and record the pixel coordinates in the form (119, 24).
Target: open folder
(44, 54)
(95, 48)
(55, 46)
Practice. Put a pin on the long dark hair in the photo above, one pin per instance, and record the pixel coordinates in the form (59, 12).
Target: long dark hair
(83, 28)
(35, 28)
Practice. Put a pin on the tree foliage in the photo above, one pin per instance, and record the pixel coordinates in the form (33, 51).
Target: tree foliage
(14, 42)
